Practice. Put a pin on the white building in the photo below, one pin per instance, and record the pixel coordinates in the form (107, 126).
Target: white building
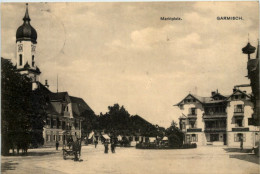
(218, 119)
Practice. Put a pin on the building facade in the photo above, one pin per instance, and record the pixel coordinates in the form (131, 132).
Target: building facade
(218, 119)
(64, 112)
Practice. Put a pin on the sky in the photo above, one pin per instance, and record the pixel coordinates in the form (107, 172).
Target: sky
(112, 52)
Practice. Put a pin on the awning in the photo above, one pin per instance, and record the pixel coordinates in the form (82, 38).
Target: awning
(152, 139)
(106, 136)
(90, 135)
(119, 138)
(165, 139)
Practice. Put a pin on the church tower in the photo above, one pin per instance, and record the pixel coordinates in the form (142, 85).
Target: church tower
(26, 40)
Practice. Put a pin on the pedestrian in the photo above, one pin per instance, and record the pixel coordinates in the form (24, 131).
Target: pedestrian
(96, 142)
(106, 146)
(113, 147)
(241, 143)
(76, 150)
(57, 145)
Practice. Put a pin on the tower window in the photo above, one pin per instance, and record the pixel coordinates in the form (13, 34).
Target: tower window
(20, 59)
(33, 61)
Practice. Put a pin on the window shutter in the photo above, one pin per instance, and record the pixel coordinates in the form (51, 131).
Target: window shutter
(235, 137)
(196, 138)
(189, 110)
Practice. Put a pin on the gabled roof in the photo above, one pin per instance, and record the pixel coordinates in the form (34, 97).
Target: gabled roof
(204, 100)
(238, 90)
(60, 96)
(79, 106)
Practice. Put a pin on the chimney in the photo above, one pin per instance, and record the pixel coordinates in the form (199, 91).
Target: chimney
(234, 89)
(213, 93)
(46, 84)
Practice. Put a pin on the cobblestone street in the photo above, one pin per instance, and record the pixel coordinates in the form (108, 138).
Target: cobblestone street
(206, 159)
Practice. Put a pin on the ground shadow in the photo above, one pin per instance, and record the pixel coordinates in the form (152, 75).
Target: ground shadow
(8, 166)
(32, 154)
(246, 157)
(229, 150)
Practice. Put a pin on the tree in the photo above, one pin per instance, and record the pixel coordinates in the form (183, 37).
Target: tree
(22, 110)
(175, 135)
(89, 123)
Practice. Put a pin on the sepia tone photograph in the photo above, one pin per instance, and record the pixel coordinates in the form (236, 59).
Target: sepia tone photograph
(130, 87)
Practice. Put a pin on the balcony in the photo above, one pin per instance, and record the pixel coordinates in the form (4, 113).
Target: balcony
(215, 129)
(214, 115)
(239, 113)
(192, 115)
(194, 130)
(240, 129)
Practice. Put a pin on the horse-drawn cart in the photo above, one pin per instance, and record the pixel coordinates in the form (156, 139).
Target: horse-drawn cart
(72, 147)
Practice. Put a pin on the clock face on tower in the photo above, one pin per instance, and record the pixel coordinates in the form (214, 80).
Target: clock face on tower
(33, 48)
(20, 47)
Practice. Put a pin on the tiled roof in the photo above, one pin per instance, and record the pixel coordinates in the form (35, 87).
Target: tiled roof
(57, 101)
(79, 105)
(60, 96)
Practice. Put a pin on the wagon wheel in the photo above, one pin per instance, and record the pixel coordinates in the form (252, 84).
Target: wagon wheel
(64, 154)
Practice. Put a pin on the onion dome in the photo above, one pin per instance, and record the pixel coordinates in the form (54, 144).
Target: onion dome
(26, 31)
(248, 49)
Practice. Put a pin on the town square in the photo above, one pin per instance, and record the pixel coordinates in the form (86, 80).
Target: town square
(130, 87)
(221, 160)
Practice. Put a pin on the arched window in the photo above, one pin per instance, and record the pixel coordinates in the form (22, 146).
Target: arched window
(20, 59)
(33, 61)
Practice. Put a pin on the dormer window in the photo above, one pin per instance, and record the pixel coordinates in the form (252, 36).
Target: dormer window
(239, 108)
(193, 111)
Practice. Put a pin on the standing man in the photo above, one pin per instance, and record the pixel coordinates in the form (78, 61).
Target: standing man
(57, 144)
(112, 147)
(96, 142)
(106, 146)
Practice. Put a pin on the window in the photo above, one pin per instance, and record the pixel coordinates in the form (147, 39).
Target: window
(51, 122)
(188, 138)
(239, 136)
(243, 96)
(236, 97)
(58, 123)
(20, 60)
(194, 100)
(33, 61)
(239, 122)
(193, 111)
(214, 137)
(194, 137)
(239, 108)
(192, 124)
(183, 125)
(188, 100)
